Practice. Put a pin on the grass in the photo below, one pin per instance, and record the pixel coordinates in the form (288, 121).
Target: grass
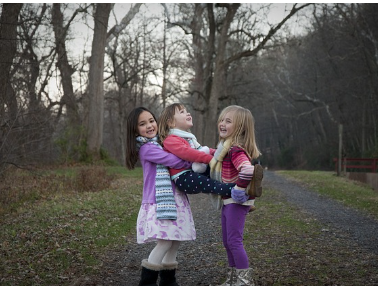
(350, 193)
(58, 237)
(289, 247)
(56, 232)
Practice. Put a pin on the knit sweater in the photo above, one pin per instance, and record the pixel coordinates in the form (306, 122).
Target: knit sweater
(237, 168)
(181, 148)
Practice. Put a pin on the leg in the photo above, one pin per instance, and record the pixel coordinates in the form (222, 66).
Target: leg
(231, 277)
(194, 183)
(225, 222)
(169, 266)
(170, 256)
(157, 254)
(236, 215)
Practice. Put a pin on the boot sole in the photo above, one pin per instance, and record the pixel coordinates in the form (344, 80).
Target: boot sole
(255, 188)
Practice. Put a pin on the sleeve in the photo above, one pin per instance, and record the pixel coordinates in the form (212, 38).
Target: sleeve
(241, 162)
(157, 155)
(182, 149)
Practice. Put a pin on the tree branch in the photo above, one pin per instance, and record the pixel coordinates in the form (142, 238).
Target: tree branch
(270, 34)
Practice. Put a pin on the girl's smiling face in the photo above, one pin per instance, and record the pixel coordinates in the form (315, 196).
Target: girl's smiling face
(182, 120)
(147, 126)
(226, 126)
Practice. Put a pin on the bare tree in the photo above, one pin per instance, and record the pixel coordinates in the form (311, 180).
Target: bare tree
(101, 39)
(94, 123)
(219, 32)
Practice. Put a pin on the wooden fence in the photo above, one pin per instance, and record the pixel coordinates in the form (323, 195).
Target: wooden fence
(363, 164)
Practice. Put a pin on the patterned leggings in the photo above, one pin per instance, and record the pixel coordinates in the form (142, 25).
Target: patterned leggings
(195, 183)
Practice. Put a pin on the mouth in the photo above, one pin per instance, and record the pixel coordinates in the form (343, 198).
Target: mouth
(189, 119)
(150, 131)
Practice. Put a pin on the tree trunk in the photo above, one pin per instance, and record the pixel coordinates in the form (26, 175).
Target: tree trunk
(198, 87)
(8, 47)
(64, 67)
(95, 119)
(218, 84)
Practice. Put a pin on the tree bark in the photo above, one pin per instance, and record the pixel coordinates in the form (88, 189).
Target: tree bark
(8, 47)
(64, 67)
(218, 84)
(201, 75)
(95, 119)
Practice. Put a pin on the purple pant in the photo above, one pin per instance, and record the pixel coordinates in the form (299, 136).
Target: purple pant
(233, 219)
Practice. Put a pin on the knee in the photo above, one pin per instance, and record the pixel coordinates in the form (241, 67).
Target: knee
(164, 244)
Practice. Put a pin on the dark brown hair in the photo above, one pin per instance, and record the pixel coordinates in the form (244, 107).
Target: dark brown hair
(132, 154)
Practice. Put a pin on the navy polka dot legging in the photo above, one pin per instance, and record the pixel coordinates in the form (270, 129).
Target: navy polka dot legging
(194, 183)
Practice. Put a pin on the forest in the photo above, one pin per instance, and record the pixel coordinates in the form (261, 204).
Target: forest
(306, 74)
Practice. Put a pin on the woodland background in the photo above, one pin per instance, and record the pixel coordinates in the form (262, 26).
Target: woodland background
(62, 102)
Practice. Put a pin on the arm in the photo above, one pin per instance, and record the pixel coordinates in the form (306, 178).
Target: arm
(242, 163)
(159, 156)
(245, 169)
(181, 148)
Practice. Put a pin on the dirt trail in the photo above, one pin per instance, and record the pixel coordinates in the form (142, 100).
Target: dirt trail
(362, 228)
(199, 260)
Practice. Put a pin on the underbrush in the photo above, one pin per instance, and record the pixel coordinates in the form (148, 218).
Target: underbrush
(19, 187)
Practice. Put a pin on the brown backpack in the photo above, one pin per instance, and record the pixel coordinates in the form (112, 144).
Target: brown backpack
(254, 188)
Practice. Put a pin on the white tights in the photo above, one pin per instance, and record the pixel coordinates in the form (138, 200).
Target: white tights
(165, 251)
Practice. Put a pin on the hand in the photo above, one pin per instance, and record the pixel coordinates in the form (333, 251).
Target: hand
(199, 167)
(238, 195)
(204, 149)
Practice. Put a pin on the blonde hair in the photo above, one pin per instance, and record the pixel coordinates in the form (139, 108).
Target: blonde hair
(244, 132)
(167, 120)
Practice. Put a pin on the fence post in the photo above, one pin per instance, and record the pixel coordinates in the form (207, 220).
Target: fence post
(345, 166)
(340, 149)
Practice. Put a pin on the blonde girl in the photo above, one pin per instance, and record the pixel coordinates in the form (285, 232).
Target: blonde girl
(232, 164)
(165, 215)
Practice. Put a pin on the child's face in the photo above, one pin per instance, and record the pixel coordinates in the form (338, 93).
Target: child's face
(147, 126)
(226, 126)
(183, 120)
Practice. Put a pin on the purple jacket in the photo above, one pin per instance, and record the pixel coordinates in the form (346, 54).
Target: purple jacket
(150, 155)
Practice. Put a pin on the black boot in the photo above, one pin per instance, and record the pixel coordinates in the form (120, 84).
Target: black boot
(149, 274)
(168, 274)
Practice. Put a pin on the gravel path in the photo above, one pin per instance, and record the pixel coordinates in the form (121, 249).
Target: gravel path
(199, 261)
(362, 228)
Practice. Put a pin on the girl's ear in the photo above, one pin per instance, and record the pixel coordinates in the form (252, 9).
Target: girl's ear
(171, 123)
